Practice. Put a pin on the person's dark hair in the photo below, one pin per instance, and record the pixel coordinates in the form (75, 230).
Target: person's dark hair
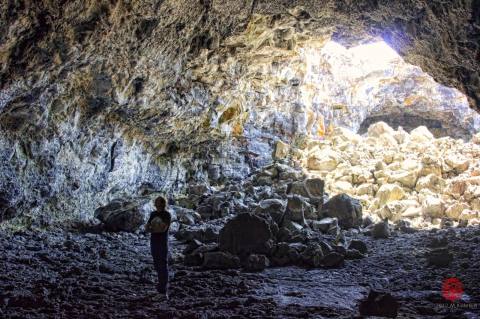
(160, 201)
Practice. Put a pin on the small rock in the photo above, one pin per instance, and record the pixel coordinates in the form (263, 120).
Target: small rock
(440, 257)
(324, 224)
(333, 259)
(358, 245)
(379, 304)
(381, 230)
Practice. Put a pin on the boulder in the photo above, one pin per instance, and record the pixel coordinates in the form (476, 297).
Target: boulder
(346, 209)
(406, 178)
(457, 162)
(256, 263)
(365, 189)
(273, 207)
(247, 234)
(315, 187)
(394, 210)
(342, 187)
(203, 233)
(379, 128)
(326, 160)
(379, 304)
(433, 206)
(431, 182)
(297, 188)
(324, 224)
(298, 209)
(454, 210)
(430, 164)
(195, 253)
(468, 214)
(381, 230)
(281, 150)
(120, 215)
(439, 257)
(358, 245)
(186, 216)
(333, 259)
(220, 260)
(312, 255)
(389, 192)
(421, 134)
(287, 253)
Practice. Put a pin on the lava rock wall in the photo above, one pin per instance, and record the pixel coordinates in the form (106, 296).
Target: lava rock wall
(100, 98)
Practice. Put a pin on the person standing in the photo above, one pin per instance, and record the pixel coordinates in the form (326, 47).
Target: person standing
(158, 225)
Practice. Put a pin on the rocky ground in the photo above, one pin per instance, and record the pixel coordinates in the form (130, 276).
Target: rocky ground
(60, 274)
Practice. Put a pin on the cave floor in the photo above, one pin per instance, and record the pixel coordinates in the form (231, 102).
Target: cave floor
(57, 274)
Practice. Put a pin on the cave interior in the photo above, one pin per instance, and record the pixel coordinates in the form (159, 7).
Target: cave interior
(319, 158)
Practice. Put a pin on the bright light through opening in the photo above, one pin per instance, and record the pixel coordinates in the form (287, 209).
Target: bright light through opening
(377, 53)
(369, 57)
(347, 85)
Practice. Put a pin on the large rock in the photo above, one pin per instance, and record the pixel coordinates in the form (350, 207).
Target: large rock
(455, 209)
(406, 178)
(256, 263)
(457, 162)
(247, 234)
(298, 209)
(315, 187)
(324, 160)
(421, 135)
(204, 233)
(379, 304)
(281, 150)
(324, 225)
(379, 128)
(120, 215)
(346, 209)
(433, 206)
(273, 207)
(431, 182)
(220, 260)
(389, 192)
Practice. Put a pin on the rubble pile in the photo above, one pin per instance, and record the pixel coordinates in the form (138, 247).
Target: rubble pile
(404, 177)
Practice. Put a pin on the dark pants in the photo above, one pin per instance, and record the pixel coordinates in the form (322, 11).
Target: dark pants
(159, 248)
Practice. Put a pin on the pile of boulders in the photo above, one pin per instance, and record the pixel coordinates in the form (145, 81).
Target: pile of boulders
(276, 217)
(413, 177)
(308, 207)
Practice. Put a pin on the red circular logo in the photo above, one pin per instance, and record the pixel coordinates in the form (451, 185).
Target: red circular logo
(452, 289)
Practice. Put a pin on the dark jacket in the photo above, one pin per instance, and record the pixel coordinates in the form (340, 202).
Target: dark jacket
(159, 241)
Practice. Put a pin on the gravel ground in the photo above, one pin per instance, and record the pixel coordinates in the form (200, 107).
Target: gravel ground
(57, 274)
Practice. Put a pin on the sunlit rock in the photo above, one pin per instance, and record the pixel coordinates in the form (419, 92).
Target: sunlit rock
(433, 206)
(324, 160)
(281, 150)
(389, 192)
(431, 182)
(421, 135)
(454, 210)
(458, 163)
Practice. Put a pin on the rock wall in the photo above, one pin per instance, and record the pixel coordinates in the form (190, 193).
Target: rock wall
(101, 99)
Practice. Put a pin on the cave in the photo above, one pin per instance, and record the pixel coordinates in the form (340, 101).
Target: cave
(284, 159)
